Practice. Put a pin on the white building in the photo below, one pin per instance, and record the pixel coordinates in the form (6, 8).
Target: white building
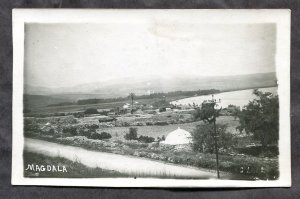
(126, 106)
(179, 136)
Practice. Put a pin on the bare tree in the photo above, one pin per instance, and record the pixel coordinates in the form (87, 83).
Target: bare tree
(131, 95)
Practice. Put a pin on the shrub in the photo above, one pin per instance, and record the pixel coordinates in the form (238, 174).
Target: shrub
(105, 135)
(139, 124)
(133, 144)
(146, 139)
(149, 123)
(203, 140)
(104, 112)
(162, 138)
(72, 130)
(91, 111)
(47, 130)
(153, 112)
(162, 109)
(92, 127)
(233, 110)
(132, 135)
(106, 119)
(100, 136)
(160, 123)
(78, 114)
(85, 132)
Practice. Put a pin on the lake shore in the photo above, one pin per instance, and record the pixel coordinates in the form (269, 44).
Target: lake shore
(237, 98)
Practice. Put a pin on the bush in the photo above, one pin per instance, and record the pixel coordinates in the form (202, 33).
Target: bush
(104, 112)
(78, 114)
(91, 111)
(149, 123)
(87, 129)
(233, 110)
(92, 127)
(146, 139)
(106, 119)
(47, 130)
(162, 109)
(153, 112)
(100, 136)
(160, 123)
(139, 124)
(162, 138)
(132, 135)
(85, 132)
(71, 130)
(203, 140)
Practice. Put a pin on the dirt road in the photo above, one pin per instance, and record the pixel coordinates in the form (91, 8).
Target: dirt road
(134, 166)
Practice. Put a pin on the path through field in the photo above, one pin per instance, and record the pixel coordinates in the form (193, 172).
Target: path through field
(125, 164)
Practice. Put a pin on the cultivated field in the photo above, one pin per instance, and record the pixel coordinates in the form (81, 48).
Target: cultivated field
(155, 131)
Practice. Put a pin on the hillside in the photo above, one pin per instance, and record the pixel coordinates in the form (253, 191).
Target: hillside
(31, 101)
(141, 86)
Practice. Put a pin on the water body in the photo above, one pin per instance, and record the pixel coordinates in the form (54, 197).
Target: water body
(238, 98)
(125, 164)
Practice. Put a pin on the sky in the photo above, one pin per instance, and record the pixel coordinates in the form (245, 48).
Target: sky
(64, 55)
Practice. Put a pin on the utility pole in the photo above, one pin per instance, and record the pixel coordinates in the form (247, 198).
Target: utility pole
(210, 114)
(216, 147)
(131, 95)
(215, 136)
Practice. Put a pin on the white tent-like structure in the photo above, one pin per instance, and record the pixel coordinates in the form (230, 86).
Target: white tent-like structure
(177, 137)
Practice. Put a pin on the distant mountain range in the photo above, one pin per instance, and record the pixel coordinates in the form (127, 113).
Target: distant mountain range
(142, 86)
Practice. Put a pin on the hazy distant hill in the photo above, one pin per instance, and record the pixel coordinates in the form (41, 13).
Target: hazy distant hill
(40, 100)
(39, 96)
(122, 87)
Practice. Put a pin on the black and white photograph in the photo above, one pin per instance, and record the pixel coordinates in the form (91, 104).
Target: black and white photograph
(151, 98)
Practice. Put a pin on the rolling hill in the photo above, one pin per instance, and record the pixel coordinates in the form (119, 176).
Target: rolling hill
(40, 96)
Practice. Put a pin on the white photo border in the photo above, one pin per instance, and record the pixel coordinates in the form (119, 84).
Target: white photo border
(281, 17)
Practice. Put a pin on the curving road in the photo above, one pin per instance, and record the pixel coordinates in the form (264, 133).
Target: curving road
(134, 166)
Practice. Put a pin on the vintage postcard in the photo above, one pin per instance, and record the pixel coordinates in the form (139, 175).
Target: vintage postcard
(151, 98)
